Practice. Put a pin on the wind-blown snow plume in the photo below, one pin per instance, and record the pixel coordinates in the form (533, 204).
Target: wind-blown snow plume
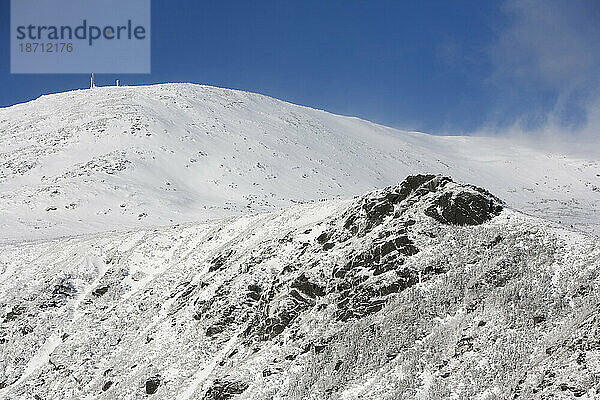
(550, 48)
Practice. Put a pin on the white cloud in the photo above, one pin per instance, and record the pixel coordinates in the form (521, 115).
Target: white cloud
(551, 47)
(548, 40)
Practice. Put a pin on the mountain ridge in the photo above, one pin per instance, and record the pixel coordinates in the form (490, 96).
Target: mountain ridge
(424, 290)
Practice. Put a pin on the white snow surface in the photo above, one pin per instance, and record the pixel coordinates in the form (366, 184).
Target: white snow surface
(113, 158)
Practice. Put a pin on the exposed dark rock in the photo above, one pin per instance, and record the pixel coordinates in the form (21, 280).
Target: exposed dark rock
(360, 306)
(577, 392)
(414, 182)
(254, 292)
(357, 289)
(276, 325)
(152, 384)
(497, 277)
(26, 329)
(305, 286)
(189, 289)
(269, 325)
(58, 296)
(224, 390)
(308, 300)
(14, 313)
(220, 325)
(214, 329)
(434, 270)
(464, 208)
(359, 297)
(219, 261)
(494, 242)
(463, 346)
(323, 238)
(319, 348)
(546, 382)
(64, 288)
(383, 256)
(100, 291)
(377, 206)
(183, 299)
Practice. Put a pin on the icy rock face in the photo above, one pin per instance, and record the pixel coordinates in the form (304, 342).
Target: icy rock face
(425, 290)
(223, 390)
(464, 208)
(464, 205)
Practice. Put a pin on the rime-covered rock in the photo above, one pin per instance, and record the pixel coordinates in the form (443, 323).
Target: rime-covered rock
(429, 289)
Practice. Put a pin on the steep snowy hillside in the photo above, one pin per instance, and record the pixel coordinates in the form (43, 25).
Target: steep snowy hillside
(425, 290)
(121, 157)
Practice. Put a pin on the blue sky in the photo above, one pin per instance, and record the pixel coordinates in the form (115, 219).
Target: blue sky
(436, 66)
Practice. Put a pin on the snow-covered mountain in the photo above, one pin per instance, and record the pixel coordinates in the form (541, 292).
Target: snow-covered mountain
(180, 241)
(122, 157)
(425, 290)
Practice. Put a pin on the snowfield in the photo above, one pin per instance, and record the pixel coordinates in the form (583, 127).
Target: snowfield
(120, 157)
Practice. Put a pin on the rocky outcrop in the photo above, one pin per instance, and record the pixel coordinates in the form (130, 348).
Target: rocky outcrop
(225, 390)
(464, 207)
(405, 292)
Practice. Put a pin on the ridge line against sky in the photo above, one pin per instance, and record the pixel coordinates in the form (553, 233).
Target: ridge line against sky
(522, 68)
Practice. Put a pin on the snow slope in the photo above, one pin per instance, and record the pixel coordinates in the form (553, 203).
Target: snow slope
(426, 290)
(121, 157)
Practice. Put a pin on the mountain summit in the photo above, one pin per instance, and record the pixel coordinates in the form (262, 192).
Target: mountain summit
(119, 157)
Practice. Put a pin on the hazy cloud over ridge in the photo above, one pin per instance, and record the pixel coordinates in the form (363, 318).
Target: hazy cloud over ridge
(546, 64)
